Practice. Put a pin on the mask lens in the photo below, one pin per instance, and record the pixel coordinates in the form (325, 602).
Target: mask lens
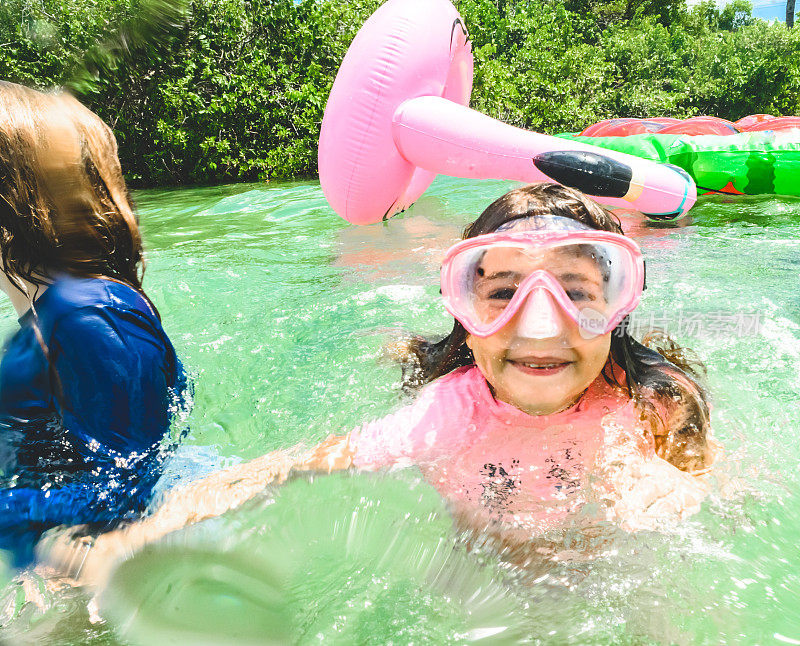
(487, 279)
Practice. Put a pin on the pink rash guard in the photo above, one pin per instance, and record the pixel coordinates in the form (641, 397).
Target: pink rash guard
(520, 469)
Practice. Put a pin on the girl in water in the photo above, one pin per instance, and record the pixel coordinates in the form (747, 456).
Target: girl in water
(89, 382)
(538, 402)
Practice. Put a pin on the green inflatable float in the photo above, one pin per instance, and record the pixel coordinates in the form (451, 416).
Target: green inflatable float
(751, 163)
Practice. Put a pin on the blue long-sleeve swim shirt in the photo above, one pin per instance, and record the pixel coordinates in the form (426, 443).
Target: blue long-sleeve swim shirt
(85, 406)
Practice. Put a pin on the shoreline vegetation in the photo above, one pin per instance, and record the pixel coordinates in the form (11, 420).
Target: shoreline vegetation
(218, 91)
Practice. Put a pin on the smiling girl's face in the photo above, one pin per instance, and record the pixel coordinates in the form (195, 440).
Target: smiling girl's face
(540, 376)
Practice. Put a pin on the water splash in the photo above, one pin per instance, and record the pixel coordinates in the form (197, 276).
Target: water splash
(351, 559)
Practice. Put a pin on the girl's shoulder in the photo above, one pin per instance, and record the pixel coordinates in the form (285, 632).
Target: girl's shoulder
(464, 378)
(462, 389)
(73, 292)
(85, 300)
(440, 416)
(450, 392)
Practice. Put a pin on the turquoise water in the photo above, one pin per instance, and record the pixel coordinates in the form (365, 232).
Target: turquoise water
(280, 309)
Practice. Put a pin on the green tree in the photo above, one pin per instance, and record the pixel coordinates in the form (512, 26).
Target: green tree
(203, 91)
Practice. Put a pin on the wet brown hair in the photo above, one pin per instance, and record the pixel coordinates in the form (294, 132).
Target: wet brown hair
(663, 380)
(64, 205)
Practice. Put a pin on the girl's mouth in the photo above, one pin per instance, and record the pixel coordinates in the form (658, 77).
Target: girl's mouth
(540, 367)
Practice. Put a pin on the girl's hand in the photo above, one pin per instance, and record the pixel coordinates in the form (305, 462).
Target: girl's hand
(652, 492)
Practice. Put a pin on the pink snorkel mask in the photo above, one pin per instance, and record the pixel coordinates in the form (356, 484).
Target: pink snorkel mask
(535, 270)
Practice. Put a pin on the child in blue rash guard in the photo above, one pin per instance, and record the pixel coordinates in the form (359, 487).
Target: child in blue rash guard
(90, 382)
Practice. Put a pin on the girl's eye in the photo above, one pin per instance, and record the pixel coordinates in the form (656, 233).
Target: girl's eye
(504, 294)
(579, 295)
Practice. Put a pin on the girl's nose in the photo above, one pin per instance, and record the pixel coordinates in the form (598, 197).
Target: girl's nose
(541, 316)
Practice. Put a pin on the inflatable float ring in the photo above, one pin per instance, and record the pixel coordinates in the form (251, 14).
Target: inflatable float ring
(397, 116)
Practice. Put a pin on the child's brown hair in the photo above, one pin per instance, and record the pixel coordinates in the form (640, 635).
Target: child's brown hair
(64, 206)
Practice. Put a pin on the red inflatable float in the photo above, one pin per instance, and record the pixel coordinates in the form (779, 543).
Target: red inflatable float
(692, 127)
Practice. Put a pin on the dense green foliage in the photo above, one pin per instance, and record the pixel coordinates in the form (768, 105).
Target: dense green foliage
(203, 91)
(552, 66)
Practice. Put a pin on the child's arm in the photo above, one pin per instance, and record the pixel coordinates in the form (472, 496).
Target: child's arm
(89, 560)
(374, 445)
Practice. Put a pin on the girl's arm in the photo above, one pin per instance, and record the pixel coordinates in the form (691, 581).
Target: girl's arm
(88, 560)
(376, 444)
